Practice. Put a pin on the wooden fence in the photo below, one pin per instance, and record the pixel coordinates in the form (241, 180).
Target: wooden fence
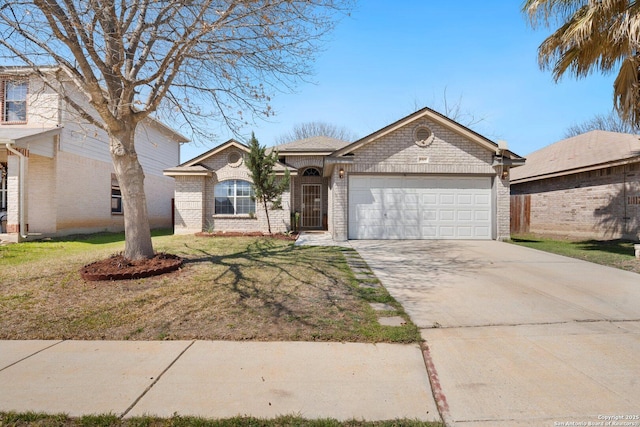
(520, 213)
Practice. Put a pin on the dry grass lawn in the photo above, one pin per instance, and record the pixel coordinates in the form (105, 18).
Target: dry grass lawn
(228, 289)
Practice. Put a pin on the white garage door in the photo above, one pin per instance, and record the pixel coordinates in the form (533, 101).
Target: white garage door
(395, 207)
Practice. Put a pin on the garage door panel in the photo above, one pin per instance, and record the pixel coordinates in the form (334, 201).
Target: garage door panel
(464, 215)
(482, 199)
(465, 199)
(447, 215)
(446, 232)
(482, 232)
(411, 199)
(387, 207)
(447, 199)
(481, 215)
(464, 232)
(429, 215)
(429, 199)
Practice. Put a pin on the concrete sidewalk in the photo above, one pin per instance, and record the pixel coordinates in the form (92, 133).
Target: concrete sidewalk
(216, 379)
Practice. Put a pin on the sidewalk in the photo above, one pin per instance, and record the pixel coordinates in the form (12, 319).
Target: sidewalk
(216, 379)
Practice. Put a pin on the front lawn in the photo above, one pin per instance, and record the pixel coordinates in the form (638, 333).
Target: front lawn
(43, 420)
(241, 288)
(613, 253)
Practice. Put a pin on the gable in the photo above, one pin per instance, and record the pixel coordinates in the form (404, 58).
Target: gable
(430, 116)
(399, 147)
(229, 155)
(423, 142)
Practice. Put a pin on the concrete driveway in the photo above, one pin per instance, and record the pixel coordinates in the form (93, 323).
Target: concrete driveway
(515, 336)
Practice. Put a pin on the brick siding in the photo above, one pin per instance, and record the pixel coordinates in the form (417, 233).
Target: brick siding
(195, 202)
(397, 153)
(600, 204)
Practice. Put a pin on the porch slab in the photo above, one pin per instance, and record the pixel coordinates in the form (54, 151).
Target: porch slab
(318, 238)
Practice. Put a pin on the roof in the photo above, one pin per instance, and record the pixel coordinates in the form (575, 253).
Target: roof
(188, 171)
(591, 150)
(313, 145)
(194, 166)
(434, 116)
(23, 135)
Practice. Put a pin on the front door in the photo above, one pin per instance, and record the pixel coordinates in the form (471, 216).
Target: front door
(311, 206)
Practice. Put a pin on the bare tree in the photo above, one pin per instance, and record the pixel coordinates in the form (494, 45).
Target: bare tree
(194, 61)
(453, 109)
(610, 122)
(311, 129)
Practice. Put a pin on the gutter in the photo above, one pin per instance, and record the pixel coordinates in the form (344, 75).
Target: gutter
(21, 178)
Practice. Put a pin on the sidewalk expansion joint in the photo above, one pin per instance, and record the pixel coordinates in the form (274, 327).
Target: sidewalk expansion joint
(155, 381)
(31, 355)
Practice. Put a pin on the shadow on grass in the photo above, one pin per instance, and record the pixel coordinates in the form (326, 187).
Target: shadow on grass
(525, 240)
(616, 246)
(288, 264)
(103, 238)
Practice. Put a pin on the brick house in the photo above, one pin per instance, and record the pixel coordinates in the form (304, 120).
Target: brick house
(57, 174)
(422, 177)
(586, 186)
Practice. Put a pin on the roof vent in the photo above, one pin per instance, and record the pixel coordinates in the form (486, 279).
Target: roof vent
(423, 136)
(234, 159)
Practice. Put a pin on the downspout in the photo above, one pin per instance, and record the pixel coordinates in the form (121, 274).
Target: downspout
(20, 187)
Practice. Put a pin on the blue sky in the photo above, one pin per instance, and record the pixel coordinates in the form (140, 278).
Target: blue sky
(390, 58)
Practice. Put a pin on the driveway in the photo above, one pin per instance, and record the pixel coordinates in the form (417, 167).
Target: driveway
(515, 336)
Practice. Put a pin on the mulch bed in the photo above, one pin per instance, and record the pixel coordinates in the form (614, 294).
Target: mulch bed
(117, 267)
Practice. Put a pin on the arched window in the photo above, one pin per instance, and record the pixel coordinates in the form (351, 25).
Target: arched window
(234, 197)
(311, 172)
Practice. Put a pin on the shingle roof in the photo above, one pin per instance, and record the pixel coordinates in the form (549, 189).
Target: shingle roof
(313, 144)
(582, 151)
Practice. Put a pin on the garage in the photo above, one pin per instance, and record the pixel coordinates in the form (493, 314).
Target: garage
(419, 207)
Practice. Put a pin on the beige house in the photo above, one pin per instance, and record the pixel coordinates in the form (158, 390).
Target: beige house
(587, 186)
(57, 175)
(422, 177)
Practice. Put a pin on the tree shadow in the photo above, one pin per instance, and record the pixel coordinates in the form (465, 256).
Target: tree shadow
(615, 246)
(286, 265)
(617, 218)
(525, 240)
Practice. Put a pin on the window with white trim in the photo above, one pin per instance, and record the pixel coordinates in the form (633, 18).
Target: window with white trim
(234, 197)
(3, 186)
(116, 196)
(14, 100)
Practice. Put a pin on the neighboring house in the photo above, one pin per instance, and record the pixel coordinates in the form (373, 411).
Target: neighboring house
(586, 186)
(57, 174)
(422, 177)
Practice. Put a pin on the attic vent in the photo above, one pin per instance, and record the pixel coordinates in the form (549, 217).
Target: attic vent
(234, 159)
(423, 136)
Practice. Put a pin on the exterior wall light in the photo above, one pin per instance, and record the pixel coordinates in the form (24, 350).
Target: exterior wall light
(341, 173)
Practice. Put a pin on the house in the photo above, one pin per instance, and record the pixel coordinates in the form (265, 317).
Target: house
(586, 186)
(57, 174)
(422, 177)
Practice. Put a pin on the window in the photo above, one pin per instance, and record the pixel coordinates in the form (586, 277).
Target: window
(311, 172)
(116, 196)
(3, 186)
(14, 105)
(234, 197)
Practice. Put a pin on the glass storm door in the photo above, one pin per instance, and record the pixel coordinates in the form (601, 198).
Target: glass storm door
(311, 206)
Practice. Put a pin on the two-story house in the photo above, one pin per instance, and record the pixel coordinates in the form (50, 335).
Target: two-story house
(57, 174)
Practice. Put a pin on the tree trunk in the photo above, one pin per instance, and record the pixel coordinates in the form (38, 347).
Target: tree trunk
(134, 202)
(266, 212)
